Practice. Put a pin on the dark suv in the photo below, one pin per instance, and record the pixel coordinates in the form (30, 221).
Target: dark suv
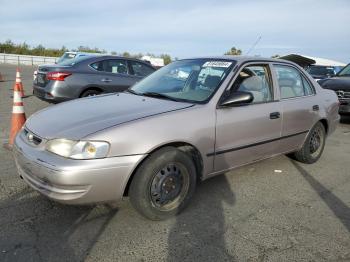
(88, 76)
(341, 85)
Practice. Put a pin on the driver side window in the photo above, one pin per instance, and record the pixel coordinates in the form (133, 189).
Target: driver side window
(255, 79)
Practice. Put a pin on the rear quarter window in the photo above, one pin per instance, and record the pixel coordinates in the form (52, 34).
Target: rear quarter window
(139, 69)
(97, 66)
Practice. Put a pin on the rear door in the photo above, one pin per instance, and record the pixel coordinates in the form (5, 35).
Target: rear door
(299, 105)
(248, 133)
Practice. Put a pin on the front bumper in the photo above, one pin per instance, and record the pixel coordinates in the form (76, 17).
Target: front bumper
(73, 181)
(344, 107)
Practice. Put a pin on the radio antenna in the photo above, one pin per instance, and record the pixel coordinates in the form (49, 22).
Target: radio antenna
(254, 45)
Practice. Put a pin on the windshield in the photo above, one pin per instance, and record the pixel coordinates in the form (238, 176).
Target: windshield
(345, 71)
(192, 80)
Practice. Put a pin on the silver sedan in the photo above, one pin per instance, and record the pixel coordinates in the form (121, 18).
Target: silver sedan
(191, 120)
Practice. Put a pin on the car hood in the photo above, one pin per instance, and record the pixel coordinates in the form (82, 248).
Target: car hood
(78, 118)
(336, 83)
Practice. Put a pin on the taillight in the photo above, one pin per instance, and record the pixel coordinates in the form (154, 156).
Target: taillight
(58, 76)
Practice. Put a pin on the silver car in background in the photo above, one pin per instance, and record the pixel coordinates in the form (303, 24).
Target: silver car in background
(191, 120)
(88, 76)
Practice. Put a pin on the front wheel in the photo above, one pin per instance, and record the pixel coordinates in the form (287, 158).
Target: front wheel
(164, 184)
(313, 146)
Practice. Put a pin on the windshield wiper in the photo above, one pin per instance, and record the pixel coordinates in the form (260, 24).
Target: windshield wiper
(159, 95)
(132, 92)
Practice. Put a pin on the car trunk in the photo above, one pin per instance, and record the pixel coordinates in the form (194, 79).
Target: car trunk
(41, 79)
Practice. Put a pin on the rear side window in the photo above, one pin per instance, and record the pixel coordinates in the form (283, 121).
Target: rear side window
(140, 69)
(116, 66)
(291, 82)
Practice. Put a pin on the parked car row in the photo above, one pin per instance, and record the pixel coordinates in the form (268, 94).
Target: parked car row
(321, 72)
(340, 83)
(186, 122)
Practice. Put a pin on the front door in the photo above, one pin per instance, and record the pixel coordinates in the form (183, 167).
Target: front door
(248, 133)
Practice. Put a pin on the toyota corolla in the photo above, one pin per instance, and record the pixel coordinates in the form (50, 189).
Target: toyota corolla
(191, 120)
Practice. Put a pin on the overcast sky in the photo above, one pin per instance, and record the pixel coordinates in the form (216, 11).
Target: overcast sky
(183, 28)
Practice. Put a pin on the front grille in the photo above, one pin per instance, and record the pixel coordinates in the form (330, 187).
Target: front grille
(343, 94)
(32, 138)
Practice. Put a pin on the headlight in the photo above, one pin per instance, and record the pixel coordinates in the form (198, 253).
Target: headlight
(78, 149)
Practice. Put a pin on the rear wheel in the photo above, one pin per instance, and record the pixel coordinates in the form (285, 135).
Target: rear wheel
(91, 92)
(164, 184)
(313, 145)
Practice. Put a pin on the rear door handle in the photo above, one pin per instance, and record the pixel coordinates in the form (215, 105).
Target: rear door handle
(315, 108)
(275, 115)
(106, 80)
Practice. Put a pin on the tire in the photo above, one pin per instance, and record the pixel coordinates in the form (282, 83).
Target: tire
(313, 146)
(164, 184)
(91, 92)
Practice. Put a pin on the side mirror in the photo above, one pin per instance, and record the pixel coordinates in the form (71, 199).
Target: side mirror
(238, 98)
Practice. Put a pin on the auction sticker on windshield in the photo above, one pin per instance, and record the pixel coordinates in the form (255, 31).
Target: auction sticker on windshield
(217, 64)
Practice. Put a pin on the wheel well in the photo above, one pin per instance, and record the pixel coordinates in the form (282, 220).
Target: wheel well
(91, 88)
(189, 149)
(325, 124)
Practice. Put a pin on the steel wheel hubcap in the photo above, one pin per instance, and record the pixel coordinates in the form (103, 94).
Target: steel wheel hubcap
(316, 141)
(168, 186)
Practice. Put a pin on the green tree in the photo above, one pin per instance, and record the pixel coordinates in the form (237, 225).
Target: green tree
(87, 49)
(234, 51)
(166, 58)
(7, 47)
(126, 54)
(22, 49)
(38, 50)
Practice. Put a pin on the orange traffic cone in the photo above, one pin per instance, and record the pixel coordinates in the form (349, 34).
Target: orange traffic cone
(19, 82)
(18, 116)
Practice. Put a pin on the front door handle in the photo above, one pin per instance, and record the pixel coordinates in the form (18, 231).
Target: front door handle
(106, 80)
(275, 115)
(315, 108)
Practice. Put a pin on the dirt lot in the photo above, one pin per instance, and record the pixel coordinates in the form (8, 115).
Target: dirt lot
(250, 214)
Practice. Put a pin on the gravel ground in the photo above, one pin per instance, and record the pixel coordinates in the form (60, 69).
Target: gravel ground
(250, 214)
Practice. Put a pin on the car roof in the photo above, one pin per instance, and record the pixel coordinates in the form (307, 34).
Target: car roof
(103, 57)
(244, 59)
(81, 53)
